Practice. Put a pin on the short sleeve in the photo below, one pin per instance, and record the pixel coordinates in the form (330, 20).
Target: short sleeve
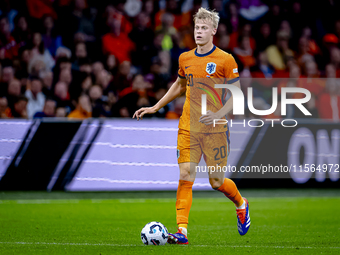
(231, 69)
(181, 73)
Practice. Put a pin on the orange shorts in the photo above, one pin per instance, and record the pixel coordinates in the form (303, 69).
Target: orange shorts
(213, 146)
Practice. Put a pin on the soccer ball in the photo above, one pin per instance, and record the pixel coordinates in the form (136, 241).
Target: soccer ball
(154, 233)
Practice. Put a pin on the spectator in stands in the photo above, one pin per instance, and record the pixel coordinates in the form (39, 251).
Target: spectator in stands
(222, 38)
(312, 83)
(47, 81)
(97, 67)
(262, 87)
(7, 73)
(14, 88)
(52, 41)
(245, 31)
(86, 82)
(335, 60)
(279, 54)
(148, 8)
(8, 45)
(244, 52)
(78, 25)
(233, 17)
(22, 64)
(85, 65)
(95, 93)
(48, 111)
(142, 36)
(19, 108)
(3, 107)
(37, 65)
(294, 78)
(167, 30)
(174, 9)
(99, 107)
(36, 99)
(330, 42)
(298, 19)
(156, 76)
(313, 47)
(285, 27)
(329, 102)
(38, 49)
(303, 55)
(66, 76)
(83, 109)
(265, 36)
(13, 91)
(337, 28)
(311, 69)
(62, 96)
(111, 64)
(62, 64)
(263, 69)
(132, 98)
(123, 78)
(61, 112)
(80, 52)
(330, 71)
(117, 42)
(104, 79)
(21, 33)
(177, 49)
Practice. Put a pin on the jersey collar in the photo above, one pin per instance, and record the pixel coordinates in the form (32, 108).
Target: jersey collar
(205, 54)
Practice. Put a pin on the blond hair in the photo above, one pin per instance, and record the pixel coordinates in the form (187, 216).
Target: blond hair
(205, 14)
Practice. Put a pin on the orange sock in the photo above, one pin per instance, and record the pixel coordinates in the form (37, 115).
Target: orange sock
(230, 190)
(184, 201)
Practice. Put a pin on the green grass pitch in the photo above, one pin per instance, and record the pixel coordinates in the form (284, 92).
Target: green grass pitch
(283, 222)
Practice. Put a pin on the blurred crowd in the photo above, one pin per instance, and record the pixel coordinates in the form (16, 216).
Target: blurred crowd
(87, 58)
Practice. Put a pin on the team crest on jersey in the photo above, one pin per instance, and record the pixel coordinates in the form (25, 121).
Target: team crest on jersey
(211, 68)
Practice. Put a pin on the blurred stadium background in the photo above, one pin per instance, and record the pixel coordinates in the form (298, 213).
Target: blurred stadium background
(73, 72)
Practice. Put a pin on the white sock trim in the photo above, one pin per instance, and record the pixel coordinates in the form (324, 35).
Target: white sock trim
(243, 206)
(184, 231)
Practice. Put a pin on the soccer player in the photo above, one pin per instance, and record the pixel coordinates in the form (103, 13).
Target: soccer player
(199, 69)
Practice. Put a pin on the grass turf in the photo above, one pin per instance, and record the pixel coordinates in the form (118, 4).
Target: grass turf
(283, 222)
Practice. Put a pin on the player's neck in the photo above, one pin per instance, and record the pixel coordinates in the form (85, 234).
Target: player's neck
(202, 49)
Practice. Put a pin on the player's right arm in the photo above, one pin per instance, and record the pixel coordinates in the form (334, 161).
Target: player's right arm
(176, 89)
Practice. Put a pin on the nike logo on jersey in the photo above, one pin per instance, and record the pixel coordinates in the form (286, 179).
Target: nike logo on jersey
(187, 67)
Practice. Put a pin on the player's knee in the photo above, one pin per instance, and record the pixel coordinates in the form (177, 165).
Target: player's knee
(216, 182)
(185, 175)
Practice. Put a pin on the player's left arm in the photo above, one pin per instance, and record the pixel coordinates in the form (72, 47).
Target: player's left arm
(233, 78)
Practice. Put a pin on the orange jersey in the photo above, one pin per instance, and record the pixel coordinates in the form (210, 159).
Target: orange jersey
(202, 72)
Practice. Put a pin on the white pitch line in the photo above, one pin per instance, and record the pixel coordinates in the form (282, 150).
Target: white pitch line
(5, 140)
(134, 245)
(113, 163)
(15, 123)
(136, 200)
(41, 201)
